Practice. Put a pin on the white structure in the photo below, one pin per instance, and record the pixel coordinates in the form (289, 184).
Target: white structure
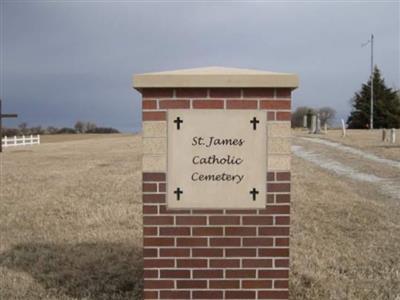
(343, 128)
(20, 141)
(393, 136)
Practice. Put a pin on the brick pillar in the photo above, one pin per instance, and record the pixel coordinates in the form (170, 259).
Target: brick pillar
(216, 253)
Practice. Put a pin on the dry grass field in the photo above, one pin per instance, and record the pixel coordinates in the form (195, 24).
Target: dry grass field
(70, 223)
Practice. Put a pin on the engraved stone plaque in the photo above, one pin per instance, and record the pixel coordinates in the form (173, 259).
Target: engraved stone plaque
(216, 159)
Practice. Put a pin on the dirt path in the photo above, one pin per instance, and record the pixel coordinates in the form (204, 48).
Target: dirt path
(381, 175)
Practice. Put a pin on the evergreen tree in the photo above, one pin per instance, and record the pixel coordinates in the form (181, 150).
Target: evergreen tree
(386, 105)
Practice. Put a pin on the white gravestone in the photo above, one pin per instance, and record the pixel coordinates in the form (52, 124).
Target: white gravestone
(216, 159)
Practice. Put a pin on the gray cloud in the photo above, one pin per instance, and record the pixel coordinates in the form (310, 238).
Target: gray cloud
(64, 61)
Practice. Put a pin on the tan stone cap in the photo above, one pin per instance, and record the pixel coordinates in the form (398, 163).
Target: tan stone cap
(209, 77)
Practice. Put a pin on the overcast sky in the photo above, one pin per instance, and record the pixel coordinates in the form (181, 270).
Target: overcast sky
(63, 61)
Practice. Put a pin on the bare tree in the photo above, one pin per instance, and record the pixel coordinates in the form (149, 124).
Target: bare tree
(79, 127)
(23, 127)
(326, 115)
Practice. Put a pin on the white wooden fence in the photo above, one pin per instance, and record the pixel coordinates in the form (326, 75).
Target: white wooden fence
(20, 140)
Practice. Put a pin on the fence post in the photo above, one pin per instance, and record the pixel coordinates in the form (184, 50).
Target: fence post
(31, 139)
(5, 141)
(23, 140)
(15, 140)
(38, 138)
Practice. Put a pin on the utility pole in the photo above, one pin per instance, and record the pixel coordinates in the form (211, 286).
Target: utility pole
(371, 118)
(372, 83)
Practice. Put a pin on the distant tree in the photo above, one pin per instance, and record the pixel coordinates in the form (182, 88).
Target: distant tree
(298, 115)
(23, 128)
(36, 130)
(89, 127)
(66, 130)
(10, 132)
(79, 127)
(103, 130)
(51, 130)
(326, 115)
(386, 105)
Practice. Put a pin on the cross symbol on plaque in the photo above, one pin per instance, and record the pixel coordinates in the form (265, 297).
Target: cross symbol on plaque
(3, 116)
(178, 123)
(254, 193)
(254, 121)
(178, 193)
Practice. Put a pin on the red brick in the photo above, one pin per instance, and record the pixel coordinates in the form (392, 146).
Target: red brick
(150, 252)
(270, 176)
(157, 241)
(158, 284)
(282, 220)
(191, 263)
(191, 220)
(191, 93)
(240, 231)
(241, 104)
(224, 263)
(283, 116)
(208, 104)
(153, 116)
(273, 294)
(271, 198)
(258, 242)
(158, 220)
(275, 104)
(257, 284)
(240, 273)
(271, 252)
(191, 284)
(283, 93)
(158, 263)
(225, 242)
(282, 242)
(157, 93)
(225, 92)
(175, 273)
(240, 295)
(281, 263)
(149, 104)
(207, 294)
(207, 252)
(258, 93)
(174, 231)
(208, 211)
(208, 273)
(150, 273)
(224, 220)
(153, 198)
(270, 116)
(153, 176)
(273, 273)
(191, 242)
(164, 210)
(150, 294)
(224, 284)
(172, 104)
(282, 198)
(162, 187)
(258, 220)
(281, 284)
(257, 263)
(278, 187)
(283, 176)
(150, 209)
(207, 231)
(150, 231)
(174, 252)
(242, 211)
(273, 231)
(276, 210)
(174, 294)
(240, 252)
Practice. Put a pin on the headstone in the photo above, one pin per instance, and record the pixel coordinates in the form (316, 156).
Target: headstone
(313, 129)
(305, 121)
(343, 129)
(385, 136)
(326, 128)
(318, 128)
(393, 136)
(216, 183)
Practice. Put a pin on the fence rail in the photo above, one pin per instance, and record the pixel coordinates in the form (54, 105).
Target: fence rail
(20, 140)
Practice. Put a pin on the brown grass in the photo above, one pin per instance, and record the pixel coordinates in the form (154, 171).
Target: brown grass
(70, 223)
